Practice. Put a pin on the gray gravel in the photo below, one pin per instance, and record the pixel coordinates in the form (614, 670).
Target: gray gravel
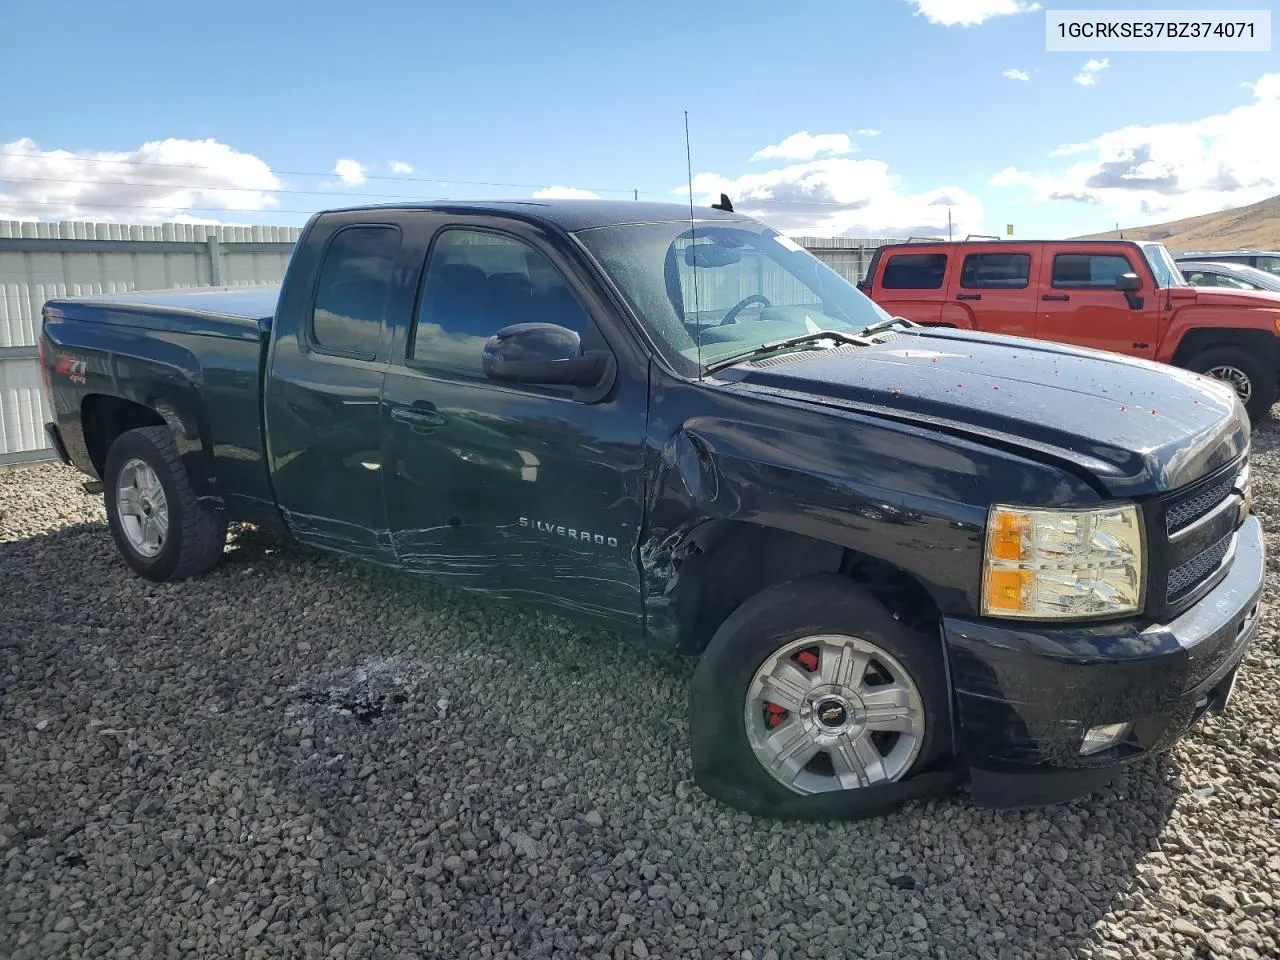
(299, 756)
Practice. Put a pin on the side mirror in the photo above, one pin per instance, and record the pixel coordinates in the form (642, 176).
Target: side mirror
(541, 353)
(1129, 282)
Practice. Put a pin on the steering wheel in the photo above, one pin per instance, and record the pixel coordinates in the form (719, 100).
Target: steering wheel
(737, 308)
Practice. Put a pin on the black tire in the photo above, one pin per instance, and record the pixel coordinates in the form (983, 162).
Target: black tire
(725, 765)
(1263, 383)
(196, 537)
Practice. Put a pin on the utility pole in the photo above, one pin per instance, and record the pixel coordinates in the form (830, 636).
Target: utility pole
(948, 224)
(635, 194)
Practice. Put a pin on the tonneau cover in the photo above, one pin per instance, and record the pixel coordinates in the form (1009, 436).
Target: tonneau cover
(248, 303)
(225, 311)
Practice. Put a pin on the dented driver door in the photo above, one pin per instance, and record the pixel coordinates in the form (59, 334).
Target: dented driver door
(521, 491)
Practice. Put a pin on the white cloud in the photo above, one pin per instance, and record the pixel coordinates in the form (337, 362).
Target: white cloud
(806, 146)
(350, 172)
(841, 196)
(1267, 87)
(399, 166)
(1171, 170)
(870, 132)
(1088, 75)
(159, 181)
(564, 193)
(968, 13)
(1016, 75)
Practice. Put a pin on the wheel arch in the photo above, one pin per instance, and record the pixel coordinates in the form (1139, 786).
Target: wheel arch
(1197, 341)
(724, 562)
(103, 418)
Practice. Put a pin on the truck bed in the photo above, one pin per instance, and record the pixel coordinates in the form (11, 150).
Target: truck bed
(226, 311)
(195, 356)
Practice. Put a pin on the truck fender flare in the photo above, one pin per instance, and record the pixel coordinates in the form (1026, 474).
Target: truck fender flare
(170, 384)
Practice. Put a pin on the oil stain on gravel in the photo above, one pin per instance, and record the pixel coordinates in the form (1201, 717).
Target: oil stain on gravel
(298, 756)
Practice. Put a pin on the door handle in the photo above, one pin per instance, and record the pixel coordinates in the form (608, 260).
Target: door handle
(1056, 296)
(968, 296)
(417, 418)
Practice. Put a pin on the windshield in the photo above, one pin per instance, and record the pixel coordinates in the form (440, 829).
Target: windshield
(728, 287)
(1166, 271)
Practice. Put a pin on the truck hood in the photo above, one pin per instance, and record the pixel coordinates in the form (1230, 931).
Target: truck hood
(1224, 297)
(1130, 426)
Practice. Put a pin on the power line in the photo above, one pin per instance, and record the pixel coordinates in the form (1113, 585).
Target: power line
(348, 193)
(302, 173)
(5, 202)
(298, 173)
(182, 186)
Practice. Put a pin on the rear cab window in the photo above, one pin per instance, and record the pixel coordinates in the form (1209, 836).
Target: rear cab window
(352, 290)
(914, 271)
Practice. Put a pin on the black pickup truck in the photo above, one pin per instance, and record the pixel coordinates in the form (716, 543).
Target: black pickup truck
(909, 558)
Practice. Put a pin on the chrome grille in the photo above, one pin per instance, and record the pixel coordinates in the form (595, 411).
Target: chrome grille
(1185, 578)
(1183, 513)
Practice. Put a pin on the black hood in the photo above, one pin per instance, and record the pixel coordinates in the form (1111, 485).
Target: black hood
(1135, 427)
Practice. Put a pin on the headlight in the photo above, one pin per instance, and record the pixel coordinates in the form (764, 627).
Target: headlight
(1076, 564)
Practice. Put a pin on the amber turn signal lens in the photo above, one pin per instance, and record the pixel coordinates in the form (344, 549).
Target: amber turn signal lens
(1006, 589)
(1007, 536)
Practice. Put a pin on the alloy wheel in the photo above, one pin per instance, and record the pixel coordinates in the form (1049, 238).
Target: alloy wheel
(143, 507)
(834, 713)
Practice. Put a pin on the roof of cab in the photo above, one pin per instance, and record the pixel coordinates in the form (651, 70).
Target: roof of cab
(568, 215)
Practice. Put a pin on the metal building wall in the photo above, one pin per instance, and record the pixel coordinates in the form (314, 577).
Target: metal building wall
(39, 261)
(848, 256)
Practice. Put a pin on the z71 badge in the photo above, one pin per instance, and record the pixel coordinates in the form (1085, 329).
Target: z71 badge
(72, 369)
(569, 533)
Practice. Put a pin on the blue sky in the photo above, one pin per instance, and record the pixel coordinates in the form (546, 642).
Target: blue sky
(248, 107)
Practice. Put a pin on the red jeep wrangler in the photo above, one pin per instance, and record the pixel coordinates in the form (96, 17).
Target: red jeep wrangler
(1118, 295)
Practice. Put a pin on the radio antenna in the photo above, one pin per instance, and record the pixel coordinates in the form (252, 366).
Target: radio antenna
(697, 309)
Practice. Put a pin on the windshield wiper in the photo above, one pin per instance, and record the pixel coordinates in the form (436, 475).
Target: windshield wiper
(854, 338)
(885, 324)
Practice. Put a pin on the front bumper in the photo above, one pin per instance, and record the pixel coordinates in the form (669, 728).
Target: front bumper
(1025, 694)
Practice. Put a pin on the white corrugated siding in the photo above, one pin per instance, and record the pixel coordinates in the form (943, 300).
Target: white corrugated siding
(23, 409)
(30, 277)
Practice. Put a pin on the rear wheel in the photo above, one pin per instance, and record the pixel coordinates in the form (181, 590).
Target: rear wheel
(158, 525)
(812, 687)
(1254, 381)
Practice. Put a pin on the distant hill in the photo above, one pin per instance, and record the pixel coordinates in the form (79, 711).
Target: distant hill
(1256, 226)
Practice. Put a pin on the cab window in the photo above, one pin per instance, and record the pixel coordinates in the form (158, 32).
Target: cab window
(915, 271)
(1269, 264)
(996, 271)
(1085, 271)
(476, 283)
(352, 290)
(1220, 280)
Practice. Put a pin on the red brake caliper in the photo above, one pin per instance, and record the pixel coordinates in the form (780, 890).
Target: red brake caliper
(774, 714)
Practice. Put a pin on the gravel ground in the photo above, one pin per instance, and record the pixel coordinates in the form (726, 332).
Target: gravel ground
(299, 756)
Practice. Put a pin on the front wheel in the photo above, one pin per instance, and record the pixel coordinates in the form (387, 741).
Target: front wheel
(812, 689)
(158, 525)
(1253, 380)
